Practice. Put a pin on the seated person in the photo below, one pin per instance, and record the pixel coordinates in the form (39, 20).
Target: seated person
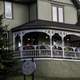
(77, 49)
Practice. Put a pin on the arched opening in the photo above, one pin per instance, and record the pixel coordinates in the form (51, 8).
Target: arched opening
(72, 40)
(56, 40)
(17, 42)
(36, 38)
(72, 44)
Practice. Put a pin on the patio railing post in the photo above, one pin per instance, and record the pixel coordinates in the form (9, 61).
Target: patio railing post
(35, 54)
(51, 52)
(21, 51)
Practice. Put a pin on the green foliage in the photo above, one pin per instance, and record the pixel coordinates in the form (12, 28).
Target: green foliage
(7, 61)
(1, 17)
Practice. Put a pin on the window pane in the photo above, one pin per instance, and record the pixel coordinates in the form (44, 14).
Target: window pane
(8, 10)
(60, 10)
(54, 13)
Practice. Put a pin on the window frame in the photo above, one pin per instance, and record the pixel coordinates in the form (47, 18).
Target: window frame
(60, 15)
(56, 14)
(11, 10)
(78, 2)
(58, 6)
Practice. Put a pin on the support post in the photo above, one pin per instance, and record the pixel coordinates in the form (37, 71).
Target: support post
(33, 72)
(51, 45)
(63, 46)
(21, 47)
(24, 77)
(13, 41)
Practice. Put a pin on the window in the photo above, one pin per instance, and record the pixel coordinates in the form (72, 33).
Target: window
(57, 14)
(60, 14)
(8, 10)
(54, 13)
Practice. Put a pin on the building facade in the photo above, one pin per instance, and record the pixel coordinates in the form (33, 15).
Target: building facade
(47, 31)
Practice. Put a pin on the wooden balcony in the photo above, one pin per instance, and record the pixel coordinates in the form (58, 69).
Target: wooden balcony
(35, 51)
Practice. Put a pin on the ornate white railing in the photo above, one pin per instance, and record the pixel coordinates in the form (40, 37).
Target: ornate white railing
(47, 52)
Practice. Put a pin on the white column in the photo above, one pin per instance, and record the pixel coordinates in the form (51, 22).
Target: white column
(51, 44)
(63, 45)
(13, 41)
(21, 48)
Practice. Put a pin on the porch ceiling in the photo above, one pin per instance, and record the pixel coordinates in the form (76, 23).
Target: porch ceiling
(72, 38)
(76, 3)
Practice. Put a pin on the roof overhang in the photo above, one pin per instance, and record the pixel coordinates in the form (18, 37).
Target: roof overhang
(42, 24)
(76, 3)
(21, 1)
(25, 1)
